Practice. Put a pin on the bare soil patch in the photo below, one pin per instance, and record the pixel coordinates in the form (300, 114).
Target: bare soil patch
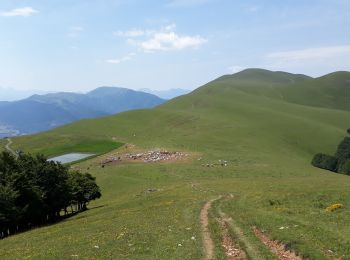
(156, 156)
(129, 153)
(232, 250)
(279, 249)
(207, 240)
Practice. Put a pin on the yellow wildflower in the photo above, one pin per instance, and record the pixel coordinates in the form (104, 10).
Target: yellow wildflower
(334, 207)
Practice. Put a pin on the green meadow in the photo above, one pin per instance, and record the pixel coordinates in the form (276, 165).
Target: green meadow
(266, 125)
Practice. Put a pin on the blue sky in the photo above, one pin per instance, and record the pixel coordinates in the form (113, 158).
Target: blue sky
(78, 45)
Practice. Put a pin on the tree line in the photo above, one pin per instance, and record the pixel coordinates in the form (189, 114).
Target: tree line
(339, 162)
(35, 191)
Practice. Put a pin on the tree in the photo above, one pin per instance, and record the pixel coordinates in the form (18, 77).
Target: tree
(325, 161)
(339, 163)
(83, 189)
(33, 191)
(343, 153)
(52, 178)
(344, 168)
(9, 212)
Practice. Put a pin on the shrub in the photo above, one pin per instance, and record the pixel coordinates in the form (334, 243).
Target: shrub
(339, 163)
(325, 161)
(343, 152)
(344, 167)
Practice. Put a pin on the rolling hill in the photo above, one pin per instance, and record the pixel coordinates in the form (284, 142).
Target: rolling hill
(42, 112)
(266, 125)
(329, 91)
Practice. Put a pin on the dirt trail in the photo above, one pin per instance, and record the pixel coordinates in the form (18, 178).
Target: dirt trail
(8, 148)
(232, 250)
(277, 248)
(207, 240)
(230, 246)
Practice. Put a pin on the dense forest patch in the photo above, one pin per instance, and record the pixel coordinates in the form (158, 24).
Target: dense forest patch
(34, 191)
(340, 162)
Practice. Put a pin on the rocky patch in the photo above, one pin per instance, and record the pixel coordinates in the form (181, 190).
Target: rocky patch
(151, 156)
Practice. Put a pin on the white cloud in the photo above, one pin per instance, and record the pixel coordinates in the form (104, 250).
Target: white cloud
(164, 39)
(131, 33)
(311, 53)
(169, 27)
(75, 31)
(313, 61)
(186, 3)
(168, 41)
(125, 58)
(24, 11)
(134, 33)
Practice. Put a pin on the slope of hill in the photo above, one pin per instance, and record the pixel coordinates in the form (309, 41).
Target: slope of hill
(329, 91)
(42, 112)
(151, 210)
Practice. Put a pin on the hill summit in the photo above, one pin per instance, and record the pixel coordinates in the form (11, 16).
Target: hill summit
(329, 91)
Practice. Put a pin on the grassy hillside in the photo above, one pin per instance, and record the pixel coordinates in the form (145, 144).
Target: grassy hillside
(268, 144)
(330, 91)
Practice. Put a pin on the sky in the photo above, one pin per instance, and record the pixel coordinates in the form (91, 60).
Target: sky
(78, 45)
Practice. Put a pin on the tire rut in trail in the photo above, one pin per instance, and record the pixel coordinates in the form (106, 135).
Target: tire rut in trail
(250, 251)
(207, 240)
(275, 247)
(232, 250)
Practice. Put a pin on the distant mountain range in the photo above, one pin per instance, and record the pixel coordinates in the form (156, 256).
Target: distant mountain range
(167, 94)
(42, 112)
(10, 94)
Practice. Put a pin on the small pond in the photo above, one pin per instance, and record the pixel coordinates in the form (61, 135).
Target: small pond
(71, 157)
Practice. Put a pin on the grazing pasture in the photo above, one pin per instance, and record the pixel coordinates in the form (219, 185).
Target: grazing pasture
(152, 210)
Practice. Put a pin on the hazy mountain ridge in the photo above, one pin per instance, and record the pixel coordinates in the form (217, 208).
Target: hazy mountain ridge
(167, 94)
(42, 112)
(10, 94)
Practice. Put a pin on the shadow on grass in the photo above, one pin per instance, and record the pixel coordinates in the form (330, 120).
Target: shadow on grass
(59, 219)
(97, 207)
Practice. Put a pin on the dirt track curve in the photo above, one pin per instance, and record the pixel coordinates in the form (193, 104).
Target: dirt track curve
(8, 147)
(207, 240)
(230, 246)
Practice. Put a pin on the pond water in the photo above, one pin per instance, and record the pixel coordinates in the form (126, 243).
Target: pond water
(70, 157)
